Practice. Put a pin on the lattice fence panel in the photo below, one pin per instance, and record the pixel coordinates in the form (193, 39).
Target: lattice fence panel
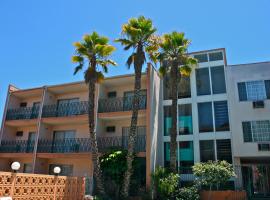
(41, 187)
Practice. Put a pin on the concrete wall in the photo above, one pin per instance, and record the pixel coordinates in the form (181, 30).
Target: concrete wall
(244, 111)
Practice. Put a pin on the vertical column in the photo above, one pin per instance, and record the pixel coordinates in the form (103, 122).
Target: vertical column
(38, 129)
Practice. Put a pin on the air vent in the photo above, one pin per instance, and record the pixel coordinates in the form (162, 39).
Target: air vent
(19, 133)
(258, 104)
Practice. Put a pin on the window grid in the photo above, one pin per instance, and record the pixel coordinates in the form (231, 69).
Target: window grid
(260, 131)
(255, 90)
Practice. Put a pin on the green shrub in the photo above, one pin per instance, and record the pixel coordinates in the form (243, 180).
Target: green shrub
(213, 173)
(165, 184)
(188, 193)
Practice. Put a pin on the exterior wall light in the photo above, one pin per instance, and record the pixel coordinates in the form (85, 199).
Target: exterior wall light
(56, 170)
(15, 166)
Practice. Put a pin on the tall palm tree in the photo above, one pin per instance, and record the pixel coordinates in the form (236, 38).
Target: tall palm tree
(138, 35)
(93, 52)
(177, 63)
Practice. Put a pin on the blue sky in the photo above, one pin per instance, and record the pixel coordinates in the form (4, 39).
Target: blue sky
(36, 36)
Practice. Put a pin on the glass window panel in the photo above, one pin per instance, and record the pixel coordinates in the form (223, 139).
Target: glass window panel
(242, 92)
(166, 154)
(260, 130)
(264, 147)
(167, 120)
(205, 117)
(267, 88)
(247, 135)
(186, 157)
(202, 81)
(207, 150)
(255, 90)
(218, 80)
(224, 151)
(221, 116)
(184, 87)
(215, 56)
(185, 119)
(201, 57)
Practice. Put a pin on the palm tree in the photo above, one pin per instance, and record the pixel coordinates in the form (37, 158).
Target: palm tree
(93, 52)
(177, 63)
(138, 35)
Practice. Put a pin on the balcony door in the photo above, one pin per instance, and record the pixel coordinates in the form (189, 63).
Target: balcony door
(128, 100)
(67, 107)
(35, 110)
(63, 141)
(31, 141)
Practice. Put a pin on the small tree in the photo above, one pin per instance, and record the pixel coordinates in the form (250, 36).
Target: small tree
(213, 173)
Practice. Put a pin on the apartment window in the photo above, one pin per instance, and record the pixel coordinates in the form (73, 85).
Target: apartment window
(166, 154)
(221, 116)
(185, 119)
(110, 129)
(263, 147)
(215, 56)
(184, 87)
(62, 135)
(67, 107)
(256, 131)
(218, 80)
(205, 117)
(247, 134)
(254, 90)
(111, 94)
(186, 157)
(66, 170)
(201, 57)
(267, 88)
(203, 81)
(207, 150)
(27, 168)
(224, 151)
(167, 120)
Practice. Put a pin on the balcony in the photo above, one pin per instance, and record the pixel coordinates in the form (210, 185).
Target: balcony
(65, 110)
(22, 113)
(17, 146)
(83, 145)
(120, 104)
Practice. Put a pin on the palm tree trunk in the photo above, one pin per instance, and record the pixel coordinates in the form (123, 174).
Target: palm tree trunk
(93, 137)
(174, 92)
(138, 63)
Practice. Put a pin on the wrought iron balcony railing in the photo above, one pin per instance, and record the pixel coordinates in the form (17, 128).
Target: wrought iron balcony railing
(120, 104)
(78, 145)
(22, 113)
(66, 109)
(17, 146)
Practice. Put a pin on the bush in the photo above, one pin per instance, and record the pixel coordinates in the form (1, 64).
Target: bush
(165, 184)
(213, 173)
(188, 193)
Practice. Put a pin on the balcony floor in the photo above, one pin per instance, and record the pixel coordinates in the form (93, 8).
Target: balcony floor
(120, 115)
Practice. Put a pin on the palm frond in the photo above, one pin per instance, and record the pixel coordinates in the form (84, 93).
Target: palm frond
(130, 60)
(77, 59)
(78, 68)
(162, 71)
(185, 70)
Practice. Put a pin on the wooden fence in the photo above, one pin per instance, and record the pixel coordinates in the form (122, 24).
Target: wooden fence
(21, 186)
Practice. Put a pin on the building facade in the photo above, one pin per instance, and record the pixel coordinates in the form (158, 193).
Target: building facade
(217, 120)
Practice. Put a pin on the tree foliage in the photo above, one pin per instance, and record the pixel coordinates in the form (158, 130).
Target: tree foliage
(213, 173)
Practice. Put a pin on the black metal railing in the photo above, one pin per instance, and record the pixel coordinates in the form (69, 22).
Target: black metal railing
(17, 146)
(77, 145)
(65, 109)
(22, 113)
(120, 104)
(73, 145)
